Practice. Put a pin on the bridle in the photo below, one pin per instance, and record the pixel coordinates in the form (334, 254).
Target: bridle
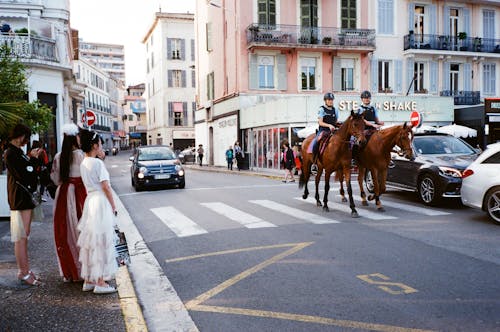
(405, 152)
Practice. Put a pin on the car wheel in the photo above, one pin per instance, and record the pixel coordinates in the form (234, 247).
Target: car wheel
(492, 204)
(369, 182)
(428, 189)
(182, 185)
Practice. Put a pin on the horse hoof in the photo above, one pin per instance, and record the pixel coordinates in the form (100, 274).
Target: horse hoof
(319, 204)
(354, 214)
(304, 196)
(364, 203)
(370, 197)
(344, 200)
(380, 209)
(326, 209)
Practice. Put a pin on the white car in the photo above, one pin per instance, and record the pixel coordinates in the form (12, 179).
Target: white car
(481, 183)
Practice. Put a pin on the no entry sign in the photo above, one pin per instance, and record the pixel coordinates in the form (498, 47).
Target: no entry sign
(88, 117)
(415, 119)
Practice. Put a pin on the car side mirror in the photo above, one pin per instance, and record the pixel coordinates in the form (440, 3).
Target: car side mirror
(131, 158)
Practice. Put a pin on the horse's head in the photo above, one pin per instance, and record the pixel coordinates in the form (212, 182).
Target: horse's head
(404, 139)
(356, 128)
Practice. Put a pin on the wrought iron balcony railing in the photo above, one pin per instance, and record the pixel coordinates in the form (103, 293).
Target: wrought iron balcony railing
(298, 35)
(31, 47)
(451, 43)
(462, 97)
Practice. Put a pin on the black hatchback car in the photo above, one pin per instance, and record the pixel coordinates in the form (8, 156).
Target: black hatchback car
(156, 165)
(437, 169)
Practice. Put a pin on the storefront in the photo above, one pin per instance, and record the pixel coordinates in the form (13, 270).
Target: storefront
(183, 139)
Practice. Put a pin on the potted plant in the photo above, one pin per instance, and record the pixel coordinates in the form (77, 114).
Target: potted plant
(326, 40)
(462, 36)
(478, 43)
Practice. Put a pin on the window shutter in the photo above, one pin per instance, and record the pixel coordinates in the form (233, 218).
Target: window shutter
(374, 74)
(467, 77)
(389, 17)
(192, 50)
(446, 75)
(398, 76)
(432, 18)
(466, 23)
(385, 16)
(170, 74)
(183, 76)
(169, 48)
(193, 79)
(433, 77)
(409, 75)
(184, 113)
(411, 16)
(446, 20)
(253, 72)
(170, 114)
(380, 16)
(282, 72)
(337, 74)
(183, 49)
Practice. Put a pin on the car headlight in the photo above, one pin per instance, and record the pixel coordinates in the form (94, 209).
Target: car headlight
(178, 168)
(142, 171)
(181, 173)
(448, 171)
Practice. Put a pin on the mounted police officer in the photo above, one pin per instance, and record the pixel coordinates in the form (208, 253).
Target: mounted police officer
(328, 118)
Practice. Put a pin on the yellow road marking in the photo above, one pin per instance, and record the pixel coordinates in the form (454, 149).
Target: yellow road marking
(228, 283)
(132, 313)
(386, 285)
(233, 251)
(305, 318)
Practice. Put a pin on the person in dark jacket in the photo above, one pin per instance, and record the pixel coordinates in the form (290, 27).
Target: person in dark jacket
(21, 180)
(288, 161)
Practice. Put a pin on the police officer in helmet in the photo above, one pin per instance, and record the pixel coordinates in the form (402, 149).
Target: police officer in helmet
(370, 113)
(328, 118)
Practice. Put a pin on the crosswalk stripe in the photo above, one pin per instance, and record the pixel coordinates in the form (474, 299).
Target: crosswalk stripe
(345, 208)
(241, 217)
(179, 224)
(411, 208)
(296, 213)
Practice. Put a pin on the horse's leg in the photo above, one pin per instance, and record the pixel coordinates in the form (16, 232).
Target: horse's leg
(347, 177)
(376, 189)
(327, 188)
(316, 183)
(361, 178)
(341, 181)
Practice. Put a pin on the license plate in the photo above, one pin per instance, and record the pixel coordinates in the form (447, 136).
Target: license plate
(162, 176)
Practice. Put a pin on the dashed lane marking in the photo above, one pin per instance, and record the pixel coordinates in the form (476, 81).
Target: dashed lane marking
(296, 213)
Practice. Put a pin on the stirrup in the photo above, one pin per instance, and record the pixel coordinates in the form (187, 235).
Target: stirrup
(314, 169)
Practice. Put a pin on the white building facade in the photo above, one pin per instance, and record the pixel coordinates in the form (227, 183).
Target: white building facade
(108, 57)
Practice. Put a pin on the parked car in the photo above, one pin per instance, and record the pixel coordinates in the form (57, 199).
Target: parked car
(188, 155)
(481, 183)
(156, 165)
(437, 169)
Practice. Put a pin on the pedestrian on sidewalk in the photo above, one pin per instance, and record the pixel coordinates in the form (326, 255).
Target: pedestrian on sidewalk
(288, 161)
(21, 182)
(97, 235)
(200, 152)
(238, 153)
(43, 163)
(68, 203)
(229, 157)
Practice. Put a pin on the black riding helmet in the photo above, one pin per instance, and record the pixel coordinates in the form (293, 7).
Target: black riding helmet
(328, 95)
(366, 94)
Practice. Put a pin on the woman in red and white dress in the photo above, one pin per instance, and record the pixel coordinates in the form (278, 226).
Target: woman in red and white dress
(69, 200)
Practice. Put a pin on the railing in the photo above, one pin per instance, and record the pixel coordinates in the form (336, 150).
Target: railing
(101, 127)
(31, 47)
(451, 43)
(295, 34)
(462, 97)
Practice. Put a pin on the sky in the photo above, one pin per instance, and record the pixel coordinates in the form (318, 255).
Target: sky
(123, 22)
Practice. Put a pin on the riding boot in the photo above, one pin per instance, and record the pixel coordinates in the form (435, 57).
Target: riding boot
(355, 152)
(314, 167)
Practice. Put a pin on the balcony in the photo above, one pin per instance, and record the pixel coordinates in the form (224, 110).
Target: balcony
(451, 43)
(101, 127)
(286, 36)
(462, 97)
(31, 47)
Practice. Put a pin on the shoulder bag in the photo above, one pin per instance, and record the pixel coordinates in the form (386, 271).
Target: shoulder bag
(35, 196)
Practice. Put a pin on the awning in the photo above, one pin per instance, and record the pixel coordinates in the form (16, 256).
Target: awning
(134, 135)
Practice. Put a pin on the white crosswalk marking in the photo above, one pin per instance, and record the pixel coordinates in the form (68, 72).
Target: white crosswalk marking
(411, 208)
(296, 213)
(179, 224)
(245, 219)
(345, 208)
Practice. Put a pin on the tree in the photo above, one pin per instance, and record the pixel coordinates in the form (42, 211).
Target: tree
(14, 105)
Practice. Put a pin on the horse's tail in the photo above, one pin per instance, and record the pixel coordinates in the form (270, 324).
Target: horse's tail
(302, 178)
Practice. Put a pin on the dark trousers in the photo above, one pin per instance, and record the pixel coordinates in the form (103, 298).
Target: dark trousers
(200, 157)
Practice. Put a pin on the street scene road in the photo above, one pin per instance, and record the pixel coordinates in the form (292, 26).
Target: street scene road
(247, 253)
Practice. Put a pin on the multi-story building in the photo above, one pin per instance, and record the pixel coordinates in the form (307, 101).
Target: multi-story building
(135, 118)
(170, 80)
(117, 94)
(264, 65)
(41, 38)
(108, 57)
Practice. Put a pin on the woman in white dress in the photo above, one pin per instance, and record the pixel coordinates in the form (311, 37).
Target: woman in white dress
(97, 235)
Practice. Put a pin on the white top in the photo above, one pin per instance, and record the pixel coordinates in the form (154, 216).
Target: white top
(74, 169)
(93, 173)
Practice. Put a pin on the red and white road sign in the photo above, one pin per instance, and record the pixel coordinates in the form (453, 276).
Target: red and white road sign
(415, 119)
(88, 118)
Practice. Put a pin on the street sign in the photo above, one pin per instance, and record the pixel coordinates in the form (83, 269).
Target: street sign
(415, 119)
(88, 117)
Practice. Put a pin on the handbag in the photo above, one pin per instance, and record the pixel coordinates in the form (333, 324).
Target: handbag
(36, 197)
(123, 256)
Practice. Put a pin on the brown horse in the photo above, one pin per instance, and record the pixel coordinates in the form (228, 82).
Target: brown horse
(376, 156)
(337, 155)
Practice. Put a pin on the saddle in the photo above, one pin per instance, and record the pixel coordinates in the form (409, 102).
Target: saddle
(323, 142)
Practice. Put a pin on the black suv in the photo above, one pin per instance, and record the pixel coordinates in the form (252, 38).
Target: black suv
(156, 165)
(437, 169)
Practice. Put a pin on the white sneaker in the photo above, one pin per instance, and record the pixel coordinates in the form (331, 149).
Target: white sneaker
(104, 289)
(88, 287)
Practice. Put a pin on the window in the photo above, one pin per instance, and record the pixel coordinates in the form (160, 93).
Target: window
(454, 71)
(309, 13)
(489, 73)
(418, 74)
(267, 12)
(348, 14)
(347, 74)
(193, 79)
(419, 23)
(453, 22)
(385, 16)
(384, 74)
(308, 73)
(209, 36)
(176, 78)
(493, 159)
(175, 47)
(266, 72)
(176, 112)
(210, 86)
(192, 50)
